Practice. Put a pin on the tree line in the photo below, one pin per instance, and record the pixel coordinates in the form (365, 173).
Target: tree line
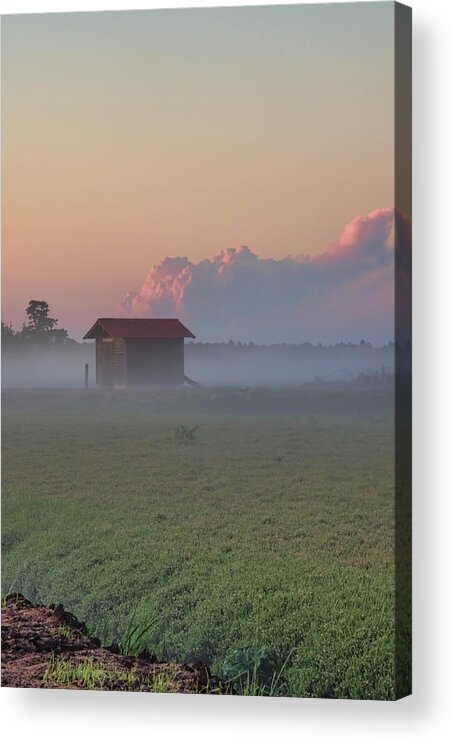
(41, 329)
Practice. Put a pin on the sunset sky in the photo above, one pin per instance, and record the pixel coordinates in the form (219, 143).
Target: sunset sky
(132, 137)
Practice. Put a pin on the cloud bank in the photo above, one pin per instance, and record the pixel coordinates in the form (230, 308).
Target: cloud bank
(343, 294)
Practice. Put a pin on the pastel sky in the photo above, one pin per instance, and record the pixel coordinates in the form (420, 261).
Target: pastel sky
(131, 137)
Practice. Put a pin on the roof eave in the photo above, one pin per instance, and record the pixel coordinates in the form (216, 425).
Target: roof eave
(89, 335)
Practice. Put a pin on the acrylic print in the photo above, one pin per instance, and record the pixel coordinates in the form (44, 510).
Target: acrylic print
(206, 351)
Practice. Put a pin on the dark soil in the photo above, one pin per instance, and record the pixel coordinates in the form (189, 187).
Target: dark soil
(38, 638)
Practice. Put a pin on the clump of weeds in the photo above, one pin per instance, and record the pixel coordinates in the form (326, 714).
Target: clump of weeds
(185, 435)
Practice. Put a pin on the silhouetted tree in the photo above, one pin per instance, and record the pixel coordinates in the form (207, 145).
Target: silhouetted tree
(8, 334)
(38, 315)
(41, 328)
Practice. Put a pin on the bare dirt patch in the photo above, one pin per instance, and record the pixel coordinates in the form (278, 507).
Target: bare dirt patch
(47, 647)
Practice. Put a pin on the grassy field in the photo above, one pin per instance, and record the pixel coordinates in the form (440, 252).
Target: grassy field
(271, 529)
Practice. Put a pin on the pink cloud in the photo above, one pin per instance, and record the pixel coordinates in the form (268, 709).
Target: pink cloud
(343, 294)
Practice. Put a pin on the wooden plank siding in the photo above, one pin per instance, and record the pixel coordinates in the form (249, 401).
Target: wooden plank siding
(119, 361)
(110, 361)
(98, 361)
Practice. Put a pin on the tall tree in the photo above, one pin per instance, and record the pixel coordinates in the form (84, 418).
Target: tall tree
(38, 316)
(42, 328)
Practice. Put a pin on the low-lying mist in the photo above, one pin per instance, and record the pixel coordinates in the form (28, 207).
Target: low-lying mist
(209, 364)
(283, 365)
(28, 368)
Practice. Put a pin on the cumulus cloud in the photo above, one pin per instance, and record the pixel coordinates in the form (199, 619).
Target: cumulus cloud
(345, 293)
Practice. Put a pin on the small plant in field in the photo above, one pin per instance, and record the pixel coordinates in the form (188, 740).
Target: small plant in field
(62, 631)
(163, 682)
(252, 672)
(134, 639)
(8, 598)
(184, 434)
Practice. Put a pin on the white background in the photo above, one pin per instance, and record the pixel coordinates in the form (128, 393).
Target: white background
(428, 713)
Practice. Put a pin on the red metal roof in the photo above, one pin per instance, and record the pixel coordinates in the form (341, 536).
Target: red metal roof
(139, 328)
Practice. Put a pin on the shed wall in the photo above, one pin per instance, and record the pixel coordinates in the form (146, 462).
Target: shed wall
(110, 361)
(155, 361)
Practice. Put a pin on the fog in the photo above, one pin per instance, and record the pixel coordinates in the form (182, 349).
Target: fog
(283, 365)
(209, 364)
(28, 368)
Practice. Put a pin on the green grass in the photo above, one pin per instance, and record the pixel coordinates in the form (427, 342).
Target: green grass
(252, 672)
(91, 675)
(134, 640)
(270, 530)
(63, 631)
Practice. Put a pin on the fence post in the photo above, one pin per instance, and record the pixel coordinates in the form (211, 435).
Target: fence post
(86, 375)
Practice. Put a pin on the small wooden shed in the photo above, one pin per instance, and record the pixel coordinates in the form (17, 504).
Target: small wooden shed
(139, 351)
